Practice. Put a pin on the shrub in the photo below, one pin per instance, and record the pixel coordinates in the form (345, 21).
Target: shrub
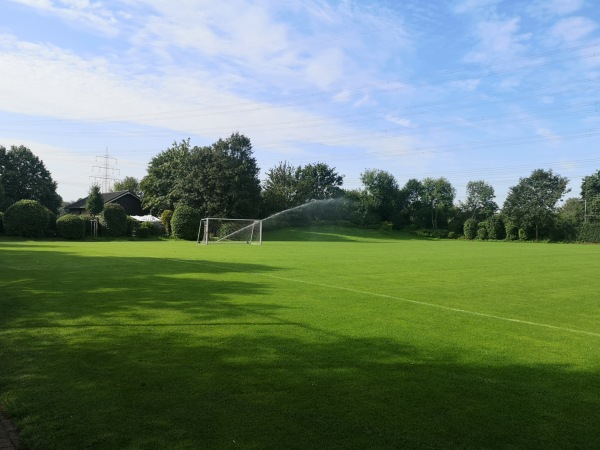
(114, 219)
(451, 235)
(184, 223)
(71, 226)
(51, 228)
(132, 226)
(470, 228)
(511, 231)
(495, 228)
(1, 222)
(147, 229)
(524, 234)
(482, 233)
(386, 226)
(165, 218)
(589, 232)
(26, 218)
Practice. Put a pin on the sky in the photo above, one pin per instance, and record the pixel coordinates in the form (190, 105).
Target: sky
(464, 89)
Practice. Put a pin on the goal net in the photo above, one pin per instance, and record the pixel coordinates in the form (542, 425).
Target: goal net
(214, 230)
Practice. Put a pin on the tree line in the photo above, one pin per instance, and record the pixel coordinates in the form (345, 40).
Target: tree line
(223, 180)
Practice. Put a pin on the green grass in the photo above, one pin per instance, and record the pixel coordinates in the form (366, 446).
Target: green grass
(326, 338)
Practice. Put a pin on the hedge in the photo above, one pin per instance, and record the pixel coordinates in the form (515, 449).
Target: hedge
(71, 226)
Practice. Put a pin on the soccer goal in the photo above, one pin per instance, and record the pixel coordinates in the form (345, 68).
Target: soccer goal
(215, 230)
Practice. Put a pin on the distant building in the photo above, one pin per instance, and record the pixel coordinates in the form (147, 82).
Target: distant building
(131, 203)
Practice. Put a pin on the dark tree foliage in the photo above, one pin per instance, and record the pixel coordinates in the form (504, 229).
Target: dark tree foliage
(531, 204)
(222, 180)
(130, 184)
(24, 177)
(159, 186)
(94, 203)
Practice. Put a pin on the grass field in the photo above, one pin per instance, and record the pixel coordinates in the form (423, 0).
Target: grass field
(323, 338)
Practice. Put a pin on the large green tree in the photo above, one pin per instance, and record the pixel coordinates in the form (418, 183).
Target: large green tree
(380, 193)
(318, 181)
(480, 203)
(438, 195)
(222, 180)
(287, 186)
(280, 189)
(130, 184)
(531, 204)
(25, 177)
(160, 185)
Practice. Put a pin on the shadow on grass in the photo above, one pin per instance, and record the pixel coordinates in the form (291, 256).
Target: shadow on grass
(135, 353)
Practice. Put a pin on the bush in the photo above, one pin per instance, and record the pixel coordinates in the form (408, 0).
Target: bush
(452, 235)
(184, 223)
(511, 231)
(132, 226)
(524, 234)
(165, 218)
(386, 226)
(26, 218)
(482, 233)
(589, 232)
(147, 229)
(495, 228)
(1, 222)
(470, 229)
(71, 226)
(114, 219)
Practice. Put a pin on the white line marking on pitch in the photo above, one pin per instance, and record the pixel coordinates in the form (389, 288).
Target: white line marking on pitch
(392, 297)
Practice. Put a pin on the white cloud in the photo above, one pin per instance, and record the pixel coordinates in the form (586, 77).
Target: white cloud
(91, 15)
(572, 29)
(552, 8)
(498, 39)
(407, 123)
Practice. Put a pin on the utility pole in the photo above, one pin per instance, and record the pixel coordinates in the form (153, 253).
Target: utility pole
(106, 176)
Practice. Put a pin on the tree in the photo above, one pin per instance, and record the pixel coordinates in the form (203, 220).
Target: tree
(221, 180)
(165, 170)
(114, 219)
(317, 182)
(280, 189)
(480, 203)
(130, 184)
(24, 177)
(438, 195)
(590, 194)
(380, 194)
(532, 202)
(94, 203)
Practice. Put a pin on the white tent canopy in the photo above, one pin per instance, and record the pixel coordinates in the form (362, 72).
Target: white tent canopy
(147, 218)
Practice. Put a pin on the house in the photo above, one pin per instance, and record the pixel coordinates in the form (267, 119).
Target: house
(131, 203)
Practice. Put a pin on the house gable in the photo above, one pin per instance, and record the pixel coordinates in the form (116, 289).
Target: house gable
(130, 202)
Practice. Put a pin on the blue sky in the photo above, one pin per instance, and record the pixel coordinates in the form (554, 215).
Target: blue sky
(466, 89)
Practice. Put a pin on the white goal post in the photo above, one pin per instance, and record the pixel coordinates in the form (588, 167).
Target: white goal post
(219, 230)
